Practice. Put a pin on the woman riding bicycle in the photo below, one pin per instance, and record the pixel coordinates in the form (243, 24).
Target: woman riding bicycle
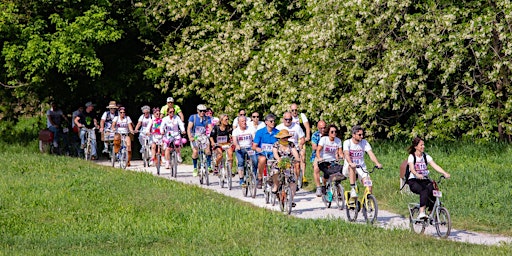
(173, 128)
(221, 136)
(418, 161)
(284, 149)
(123, 124)
(329, 149)
(143, 124)
(154, 126)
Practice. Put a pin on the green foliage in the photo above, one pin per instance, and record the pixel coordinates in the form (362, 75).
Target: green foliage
(25, 130)
(77, 207)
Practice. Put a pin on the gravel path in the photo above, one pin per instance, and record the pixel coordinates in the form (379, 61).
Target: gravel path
(311, 207)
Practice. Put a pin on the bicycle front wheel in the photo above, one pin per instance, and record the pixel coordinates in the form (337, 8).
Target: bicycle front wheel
(252, 186)
(145, 157)
(174, 164)
(352, 208)
(112, 157)
(281, 198)
(123, 158)
(289, 200)
(325, 198)
(338, 196)
(229, 176)
(88, 151)
(417, 225)
(158, 163)
(442, 222)
(370, 209)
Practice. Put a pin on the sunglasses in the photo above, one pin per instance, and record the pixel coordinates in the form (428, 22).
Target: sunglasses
(242, 114)
(255, 116)
(359, 134)
(320, 128)
(294, 110)
(122, 112)
(334, 132)
(271, 121)
(202, 110)
(288, 119)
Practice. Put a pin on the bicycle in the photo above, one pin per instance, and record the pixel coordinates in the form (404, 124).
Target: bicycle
(267, 183)
(225, 169)
(111, 153)
(202, 143)
(173, 157)
(439, 217)
(368, 202)
(157, 139)
(250, 181)
(333, 189)
(284, 190)
(88, 143)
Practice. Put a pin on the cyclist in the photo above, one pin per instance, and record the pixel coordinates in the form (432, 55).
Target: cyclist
(255, 121)
(221, 136)
(53, 122)
(353, 150)
(123, 124)
(106, 124)
(303, 122)
(143, 123)
(297, 139)
(87, 119)
(197, 125)
(417, 182)
(170, 104)
(215, 120)
(329, 149)
(154, 129)
(241, 114)
(173, 128)
(315, 138)
(284, 148)
(243, 136)
(264, 140)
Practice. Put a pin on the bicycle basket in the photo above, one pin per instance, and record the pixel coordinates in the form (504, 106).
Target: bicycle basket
(157, 138)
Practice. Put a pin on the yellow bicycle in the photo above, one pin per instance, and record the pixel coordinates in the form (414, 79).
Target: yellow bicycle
(367, 202)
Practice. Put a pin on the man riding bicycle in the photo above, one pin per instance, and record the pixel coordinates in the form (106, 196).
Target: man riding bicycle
(106, 125)
(87, 119)
(197, 126)
(264, 139)
(243, 136)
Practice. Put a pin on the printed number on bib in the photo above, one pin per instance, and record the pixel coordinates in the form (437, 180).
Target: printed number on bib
(368, 183)
(222, 139)
(437, 193)
(250, 152)
(266, 147)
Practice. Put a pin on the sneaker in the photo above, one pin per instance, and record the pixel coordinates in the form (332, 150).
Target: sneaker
(318, 191)
(304, 180)
(55, 145)
(151, 162)
(241, 182)
(216, 171)
(94, 157)
(167, 166)
(179, 158)
(194, 172)
(353, 193)
(105, 151)
(422, 215)
(210, 170)
(260, 184)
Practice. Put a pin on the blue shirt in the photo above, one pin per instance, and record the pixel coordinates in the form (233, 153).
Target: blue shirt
(199, 125)
(315, 138)
(264, 139)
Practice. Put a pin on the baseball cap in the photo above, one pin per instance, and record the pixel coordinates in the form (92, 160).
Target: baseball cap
(201, 107)
(88, 104)
(170, 99)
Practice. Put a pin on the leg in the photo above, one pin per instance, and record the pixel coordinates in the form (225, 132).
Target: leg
(128, 142)
(316, 173)
(93, 143)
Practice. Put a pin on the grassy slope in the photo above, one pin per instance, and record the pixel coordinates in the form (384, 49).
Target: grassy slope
(57, 205)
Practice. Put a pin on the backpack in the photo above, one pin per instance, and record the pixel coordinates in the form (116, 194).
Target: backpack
(405, 172)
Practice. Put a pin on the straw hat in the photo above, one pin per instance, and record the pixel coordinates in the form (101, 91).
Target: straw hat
(283, 134)
(112, 104)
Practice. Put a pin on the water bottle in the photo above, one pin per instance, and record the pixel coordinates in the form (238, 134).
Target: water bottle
(329, 195)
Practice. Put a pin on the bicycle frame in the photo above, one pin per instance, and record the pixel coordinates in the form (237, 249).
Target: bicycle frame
(202, 143)
(368, 202)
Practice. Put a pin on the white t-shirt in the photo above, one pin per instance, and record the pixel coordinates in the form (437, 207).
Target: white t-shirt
(420, 166)
(329, 148)
(261, 124)
(302, 117)
(109, 118)
(235, 122)
(244, 137)
(145, 124)
(356, 151)
(172, 126)
(56, 116)
(122, 125)
(294, 130)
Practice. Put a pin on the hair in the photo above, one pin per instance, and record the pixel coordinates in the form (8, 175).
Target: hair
(270, 116)
(145, 107)
(328, 128)
(222, 117)
(242, 109)
(415, 143)
(122, 108)
(357, 128)
(157, 109)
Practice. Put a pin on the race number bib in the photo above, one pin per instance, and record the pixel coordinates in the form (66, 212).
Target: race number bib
(330, 149)
(222, 139)
(266, 147)
(357, 156)
(200, 130)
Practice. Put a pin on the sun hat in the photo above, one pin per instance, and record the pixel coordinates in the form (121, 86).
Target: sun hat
(170, 99)
(89, 104)
(201, 107)
(283, 134)
(112, 104)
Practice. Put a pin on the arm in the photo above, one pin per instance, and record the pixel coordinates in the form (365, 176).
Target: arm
(276, 154)
(339, 155)
(302, 141)
(189, 131)
(77, 123)
(374, 159)
(439, 169)
(130, 126)
(102, 125)
(318, 150)
(308, 131)
(346, 154)
(181, 117)
(137, 127)
(181, 126)
(295, 153)
(114, 126)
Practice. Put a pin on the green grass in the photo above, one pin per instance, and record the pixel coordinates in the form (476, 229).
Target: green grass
(58, 205)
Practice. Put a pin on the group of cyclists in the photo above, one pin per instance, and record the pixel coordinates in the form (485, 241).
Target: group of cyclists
(244, 135)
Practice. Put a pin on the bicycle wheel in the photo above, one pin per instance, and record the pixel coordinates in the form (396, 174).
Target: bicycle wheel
(123, 158)
(145, 157)
(206, 174)
(352, 208)
(325, 198)
(174, 164)
(201, 171)
(417, 226)
(44, 147)
(299, 179)
(112, 157)
(247, 182)
(281, 198)
(289, 200)
(370, 209)
(229, 176)
(158, 163)
(442, 222)
(338, 196)
(222, 173)
(88, 151)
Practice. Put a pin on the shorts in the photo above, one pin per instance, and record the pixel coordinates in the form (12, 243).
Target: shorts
(360, 174)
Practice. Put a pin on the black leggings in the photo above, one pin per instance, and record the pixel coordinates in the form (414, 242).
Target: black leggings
(424, 188)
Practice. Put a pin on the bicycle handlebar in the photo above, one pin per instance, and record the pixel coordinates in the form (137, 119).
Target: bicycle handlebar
(366, 171)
